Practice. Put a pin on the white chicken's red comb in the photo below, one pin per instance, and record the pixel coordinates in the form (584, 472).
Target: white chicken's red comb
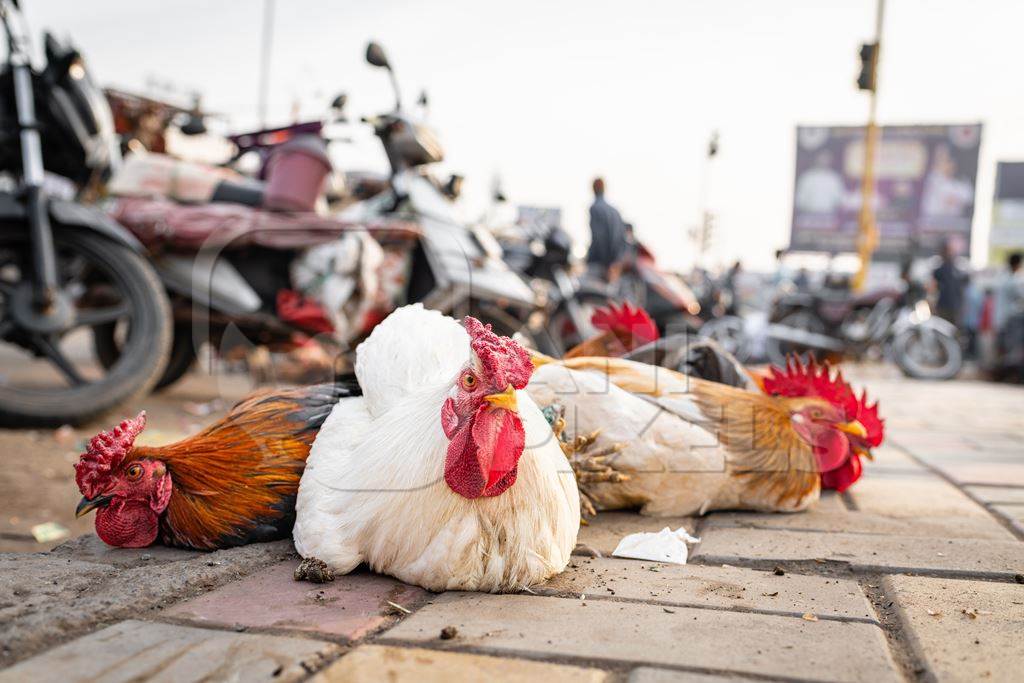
(504, 360)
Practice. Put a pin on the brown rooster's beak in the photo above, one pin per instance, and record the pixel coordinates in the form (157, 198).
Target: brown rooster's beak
(87, 504)
(863, 452)
(538, 359)
(506, 399)
(853, 427)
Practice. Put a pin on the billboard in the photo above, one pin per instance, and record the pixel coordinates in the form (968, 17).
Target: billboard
(925, 187)
(1007, 233)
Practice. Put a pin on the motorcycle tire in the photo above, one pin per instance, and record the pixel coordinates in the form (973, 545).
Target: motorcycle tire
(905, 352)
(180, 360)
(140, 366)
(779, 350)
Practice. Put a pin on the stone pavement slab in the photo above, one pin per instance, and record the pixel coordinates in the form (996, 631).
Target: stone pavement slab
(373, 663)
(136, 650)
(646, 674)
(46, 597)
(863, 552)
(710, 586)
(89, 548)
(998, 494)
(963, 630)
(981, 468)
(350, 606)
(983, 525)
(921, 497)
(607, 630)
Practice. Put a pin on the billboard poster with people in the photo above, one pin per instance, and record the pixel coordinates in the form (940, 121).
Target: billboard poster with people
(1007, 233)
(925, 187)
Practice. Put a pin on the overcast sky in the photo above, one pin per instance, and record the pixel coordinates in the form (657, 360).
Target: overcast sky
(548, 94)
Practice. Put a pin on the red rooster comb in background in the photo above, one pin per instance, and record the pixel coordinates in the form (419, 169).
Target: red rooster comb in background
(106, 451)
(627, 320)
(504, 360)
(813, 379)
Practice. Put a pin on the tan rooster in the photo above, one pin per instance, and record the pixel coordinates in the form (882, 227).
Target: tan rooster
(690, 446)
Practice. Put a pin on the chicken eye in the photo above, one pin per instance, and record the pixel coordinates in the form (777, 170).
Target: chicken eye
(468, 381)
(134, 471)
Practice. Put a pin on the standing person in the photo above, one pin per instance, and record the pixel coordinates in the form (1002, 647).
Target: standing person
(1009, 292)
(607, 234)
(951, 282)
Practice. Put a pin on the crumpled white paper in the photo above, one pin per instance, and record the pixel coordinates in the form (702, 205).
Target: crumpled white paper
(664, 546)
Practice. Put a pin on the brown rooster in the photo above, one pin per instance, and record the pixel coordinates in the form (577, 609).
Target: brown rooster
(233, 483)
(690, 446)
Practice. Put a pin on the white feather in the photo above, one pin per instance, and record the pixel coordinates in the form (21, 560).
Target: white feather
(373, 490)
(413, 347)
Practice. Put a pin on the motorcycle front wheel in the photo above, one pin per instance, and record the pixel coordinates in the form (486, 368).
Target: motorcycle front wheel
(51, 376)
(923, 352)
(778, 350)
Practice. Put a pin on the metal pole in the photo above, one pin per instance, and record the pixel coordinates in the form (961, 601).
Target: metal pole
(267, 44)
(867, 239)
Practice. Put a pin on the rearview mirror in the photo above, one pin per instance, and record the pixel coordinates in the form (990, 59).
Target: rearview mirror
(376, 56)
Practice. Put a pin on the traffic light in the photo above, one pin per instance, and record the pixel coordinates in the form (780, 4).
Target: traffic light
(868, 66)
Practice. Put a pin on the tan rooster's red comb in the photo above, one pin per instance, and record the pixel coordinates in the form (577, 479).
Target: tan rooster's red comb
(105, 452)
(815, 379)
(627, 319)
(503, 359)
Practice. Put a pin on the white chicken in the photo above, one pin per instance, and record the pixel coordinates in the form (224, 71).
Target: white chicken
(445, 473)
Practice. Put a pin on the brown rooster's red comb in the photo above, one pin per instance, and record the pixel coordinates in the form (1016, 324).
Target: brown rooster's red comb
(628, 319)
(105, 452)
(813, 379)
(504, 360)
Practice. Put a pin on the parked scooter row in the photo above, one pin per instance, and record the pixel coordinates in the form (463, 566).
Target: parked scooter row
(896, 323)
(76, 288)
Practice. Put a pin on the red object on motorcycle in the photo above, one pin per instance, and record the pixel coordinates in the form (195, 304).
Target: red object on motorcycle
(295, 174)
(302, 312)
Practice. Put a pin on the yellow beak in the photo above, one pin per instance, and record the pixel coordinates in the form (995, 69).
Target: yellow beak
(506, 399)
(538, 359)
(853, 427)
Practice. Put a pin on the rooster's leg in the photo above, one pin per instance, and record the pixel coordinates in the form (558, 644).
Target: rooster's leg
(314, 571)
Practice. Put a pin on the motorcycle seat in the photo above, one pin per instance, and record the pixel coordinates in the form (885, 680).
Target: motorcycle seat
(246, 192)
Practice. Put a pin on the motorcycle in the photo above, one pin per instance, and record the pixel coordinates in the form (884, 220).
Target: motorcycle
(66, 268)
(896, 322)
(253, 263)
(454, 268)
(665, 296)
(541, 253)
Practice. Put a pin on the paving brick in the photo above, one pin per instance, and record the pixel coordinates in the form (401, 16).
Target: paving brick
(646, 674)
(138, 650)
(89, 548)
(46, 597)
(373, 663)
(1014, 514)
(350, 606)
(606, 630)
(918, 495)
(981, 525)
(998, 494)
(953, 644)
(603, 532)
(987, 469)
(710, 586)
(864, 552)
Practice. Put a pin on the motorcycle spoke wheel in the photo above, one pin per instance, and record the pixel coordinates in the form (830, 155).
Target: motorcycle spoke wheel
(50, 372)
